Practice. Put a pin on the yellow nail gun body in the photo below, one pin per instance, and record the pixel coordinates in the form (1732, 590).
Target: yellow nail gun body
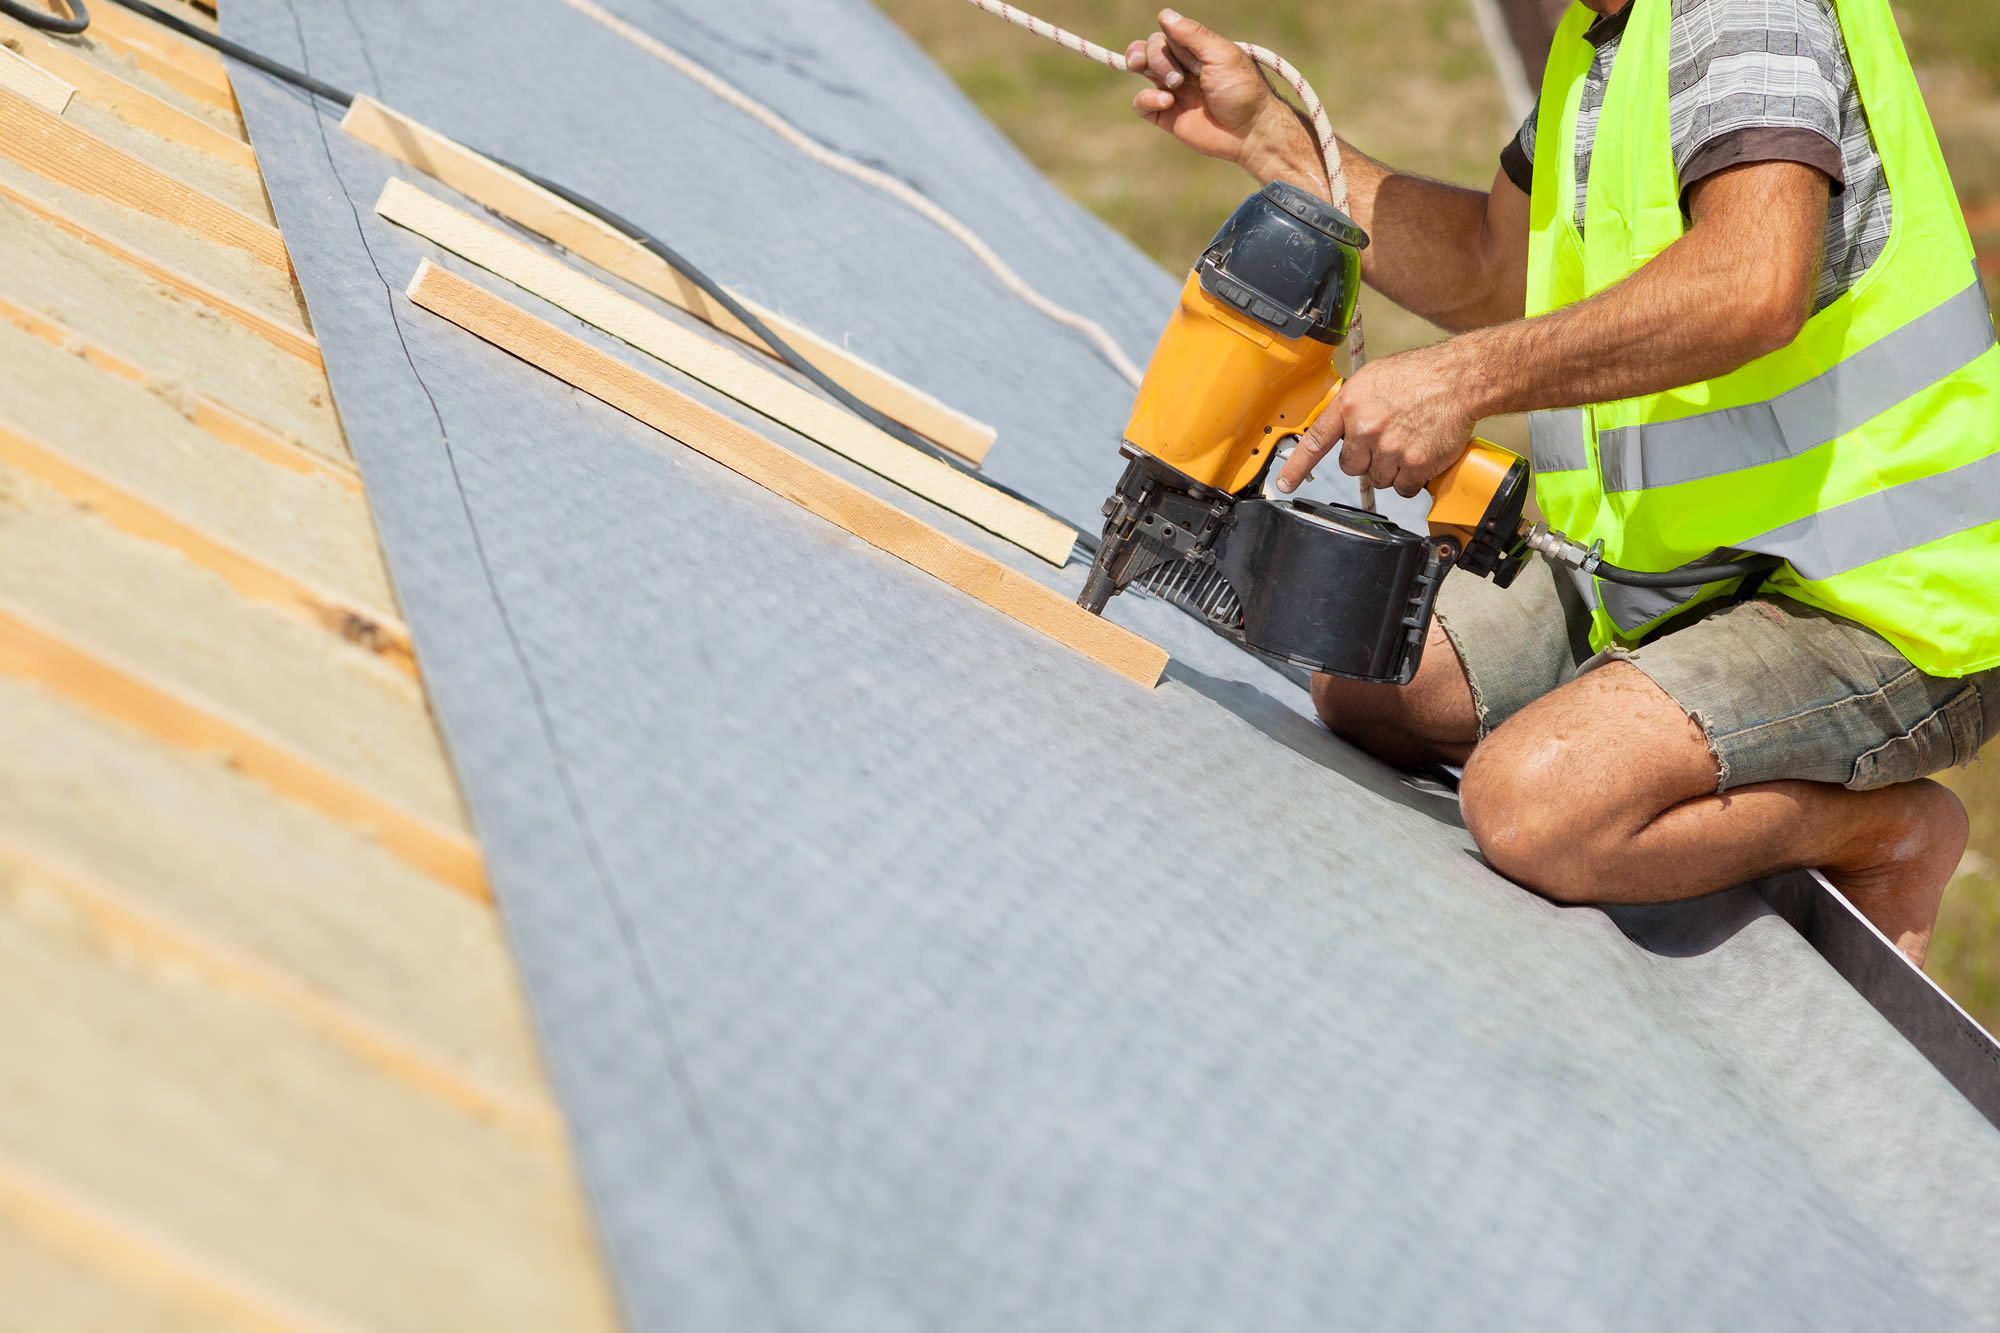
(1244, 366)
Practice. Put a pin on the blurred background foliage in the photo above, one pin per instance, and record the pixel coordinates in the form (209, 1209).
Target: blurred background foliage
(1412, 82)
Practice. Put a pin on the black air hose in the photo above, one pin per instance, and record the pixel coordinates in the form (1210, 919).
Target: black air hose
(1750, 567)
(34, 17)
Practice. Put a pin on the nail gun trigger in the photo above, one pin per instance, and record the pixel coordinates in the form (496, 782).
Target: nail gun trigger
(1281, 454)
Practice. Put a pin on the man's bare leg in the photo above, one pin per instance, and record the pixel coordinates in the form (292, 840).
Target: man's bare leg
(1429, 721)
(1604, 791)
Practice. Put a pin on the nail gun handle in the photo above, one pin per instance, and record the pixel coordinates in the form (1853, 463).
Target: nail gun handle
(1480, 496)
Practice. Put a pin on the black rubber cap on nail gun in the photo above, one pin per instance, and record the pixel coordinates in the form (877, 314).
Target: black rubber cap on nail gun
(1289, 260)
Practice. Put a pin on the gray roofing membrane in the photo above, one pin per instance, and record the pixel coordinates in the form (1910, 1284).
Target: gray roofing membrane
(898, 968)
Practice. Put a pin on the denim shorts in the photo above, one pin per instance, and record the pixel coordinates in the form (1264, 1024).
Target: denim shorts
(1781, 689)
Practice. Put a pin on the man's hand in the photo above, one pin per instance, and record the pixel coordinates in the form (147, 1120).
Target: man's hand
(1208, 94)
(1400, 421)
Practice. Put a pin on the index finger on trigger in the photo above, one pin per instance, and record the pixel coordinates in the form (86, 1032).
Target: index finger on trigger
(1306, 455)
(1316, 441)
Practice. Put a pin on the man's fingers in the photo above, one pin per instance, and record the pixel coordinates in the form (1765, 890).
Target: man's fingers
(1201, 45)
(1407, 484)
(1382, 471)
(1135, 56)
(1356, 456)
(1161, 66)
(1314, 445)
(1153, 103)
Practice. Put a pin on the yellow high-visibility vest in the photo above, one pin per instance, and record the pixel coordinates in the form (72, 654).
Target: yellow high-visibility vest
(1866, 453)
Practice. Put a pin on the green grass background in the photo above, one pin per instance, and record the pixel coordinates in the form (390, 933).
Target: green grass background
(1410, 82)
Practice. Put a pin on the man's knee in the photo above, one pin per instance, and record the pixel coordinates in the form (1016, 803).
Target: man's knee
(1522, 804)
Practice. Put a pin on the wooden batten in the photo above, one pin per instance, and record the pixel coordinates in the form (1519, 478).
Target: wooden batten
(129, 102)
(369, 630)
(749, 383)
(507, 193)
(102, 1237)
(145, 929)
(287, 337)
(29, 81)
(875, 521)
(185, 66)
(218, 419)
(124, 693)
(57, 150)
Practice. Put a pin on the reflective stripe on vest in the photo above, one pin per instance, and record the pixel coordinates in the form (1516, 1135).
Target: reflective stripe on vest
(1833, 541)
(1887, 522)
(1847, 397)
(1555, 441)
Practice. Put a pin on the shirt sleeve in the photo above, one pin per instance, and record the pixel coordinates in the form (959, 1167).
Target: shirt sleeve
(1756, 81)
(1517, 159)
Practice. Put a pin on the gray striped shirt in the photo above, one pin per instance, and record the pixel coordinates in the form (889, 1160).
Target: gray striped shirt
(1752, 81)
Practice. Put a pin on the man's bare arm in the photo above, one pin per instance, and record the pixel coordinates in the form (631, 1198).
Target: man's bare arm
(1737, 286)
(1457, 257)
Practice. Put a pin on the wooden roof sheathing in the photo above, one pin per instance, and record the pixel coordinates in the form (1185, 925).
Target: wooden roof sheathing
(265, 1063)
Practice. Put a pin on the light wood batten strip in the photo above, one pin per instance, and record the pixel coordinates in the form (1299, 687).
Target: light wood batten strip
(103, 1238)
(719, 368)
(218, 419)
(53, 148)
(24, 78)
(486, 182)
(36, 653)
(126, 918)
(875, 521)
(369, 630)
(189, 69)
(202, 15)
(129, 102)
(286, 337)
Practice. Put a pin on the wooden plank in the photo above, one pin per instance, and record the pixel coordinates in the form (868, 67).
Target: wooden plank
(131, 1248)
(183, 65)
(56, 149)
(131, 103)
(35, 653)
(847, 506)
(24, 78)
(147, 931)
(218, 419)
(486, 182)
(370, 630)
(201, 15)
(287, 337)
(719, 368)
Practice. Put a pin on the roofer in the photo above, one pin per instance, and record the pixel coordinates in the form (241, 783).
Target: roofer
(1724, 269)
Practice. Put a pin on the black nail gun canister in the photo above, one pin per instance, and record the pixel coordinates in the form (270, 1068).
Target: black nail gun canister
(1245, 365)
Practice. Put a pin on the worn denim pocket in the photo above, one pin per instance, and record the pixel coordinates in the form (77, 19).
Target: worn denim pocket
(1948, 738)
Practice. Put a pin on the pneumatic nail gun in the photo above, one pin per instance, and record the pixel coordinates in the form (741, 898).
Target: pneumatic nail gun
(1245, 365)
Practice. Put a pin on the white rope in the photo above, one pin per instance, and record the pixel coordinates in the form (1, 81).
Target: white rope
(1329, 148)
(959, 231)
(860, 171)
